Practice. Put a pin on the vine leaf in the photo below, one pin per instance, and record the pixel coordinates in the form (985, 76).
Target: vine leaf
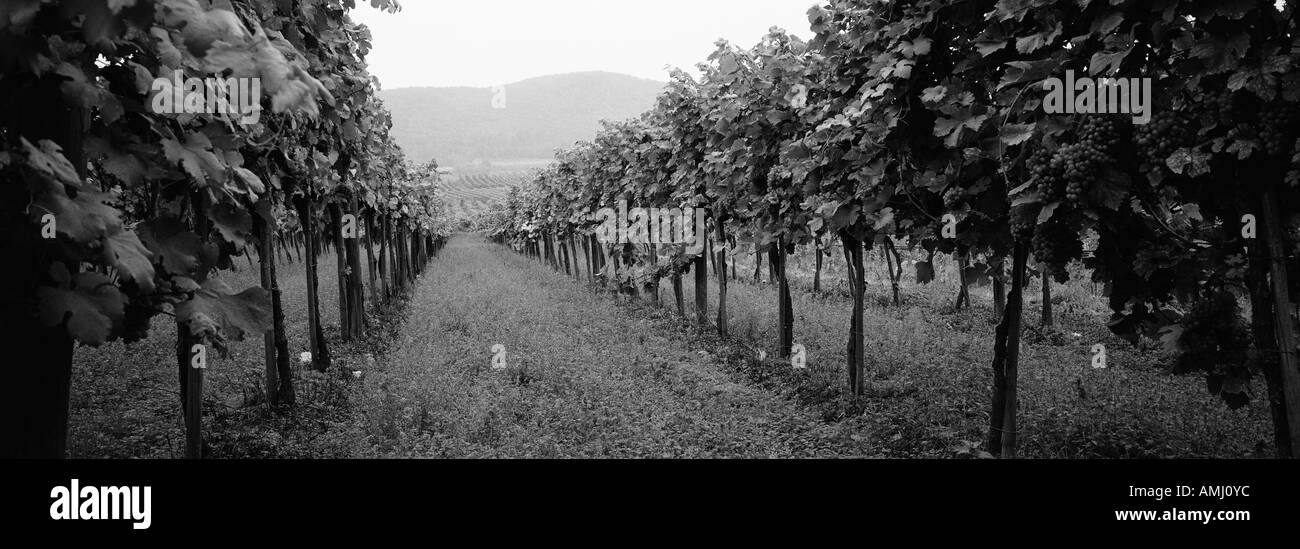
(171, 241)
(170, 56)
(989, 47)
(48, 160)
(845, 216)
(886, 217)
(198, 26)
(89, 302)
(1048, 210)
(918, 47)
(78, 91)
(1034, 42)
(1015, 134)
(934, 95)
(217, 315)
(1012, 9)
(951, 128)
(1109, 23)
(143, 78)
(1221, 55)
(234, 223)
(1258, 81)
(1111, 189)
(1028, 71)
(195, 157)
(85, 219)
(98, 25)
(18, 12)
(251, 184)
(124, 251)
(1192, 163)
(126, 167)
(1107, 62)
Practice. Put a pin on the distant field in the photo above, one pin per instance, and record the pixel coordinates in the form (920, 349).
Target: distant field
(467, 194)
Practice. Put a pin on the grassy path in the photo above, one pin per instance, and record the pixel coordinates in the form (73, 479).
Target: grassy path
(585, 378)
(590, 376)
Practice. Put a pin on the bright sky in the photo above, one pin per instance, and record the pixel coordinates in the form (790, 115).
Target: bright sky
(464, 43)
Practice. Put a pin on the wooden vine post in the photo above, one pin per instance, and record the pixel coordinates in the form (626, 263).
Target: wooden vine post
(856, 352)
(320, 357)
(266, 248)
(722, 281)
(1003, 428)
(191, 353)
(699, 269)
(1283, 313)
(785, 307)
(1048, 321)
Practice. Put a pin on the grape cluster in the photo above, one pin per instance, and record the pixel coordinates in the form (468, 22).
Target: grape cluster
(1022, 224)
(1277, 125)
(1048, 180)
(1093, 150)
(1229, 109)
(1055, 245)
(1159, 138)
(952, 198)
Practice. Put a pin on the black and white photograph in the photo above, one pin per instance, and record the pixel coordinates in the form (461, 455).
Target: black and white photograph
(392, 236)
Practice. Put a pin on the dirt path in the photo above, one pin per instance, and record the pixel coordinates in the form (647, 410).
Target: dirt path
(585, 378)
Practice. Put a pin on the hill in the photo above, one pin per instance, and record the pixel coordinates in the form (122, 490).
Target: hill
(461, 128)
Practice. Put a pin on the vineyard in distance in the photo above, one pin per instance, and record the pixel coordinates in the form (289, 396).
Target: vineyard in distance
(876, 242)
(472, 192)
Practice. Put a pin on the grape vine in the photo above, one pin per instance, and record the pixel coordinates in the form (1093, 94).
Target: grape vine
(900, 118)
